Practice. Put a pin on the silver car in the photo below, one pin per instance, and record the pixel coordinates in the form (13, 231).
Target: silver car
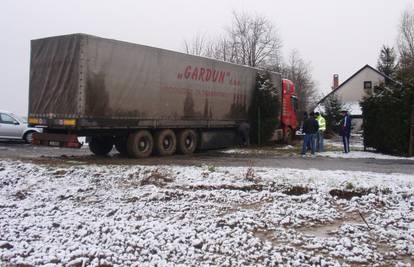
(14, 127)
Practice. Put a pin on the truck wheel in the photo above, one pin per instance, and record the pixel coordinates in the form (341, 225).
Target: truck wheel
(101, 145)
(121, 145)
(140, 144)
(187, 141)
(165, 143)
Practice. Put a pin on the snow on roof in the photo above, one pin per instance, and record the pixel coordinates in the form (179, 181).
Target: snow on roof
(353, 108)
(320, 108)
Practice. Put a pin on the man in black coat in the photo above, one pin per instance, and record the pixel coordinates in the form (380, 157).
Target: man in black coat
(345, 129)
(244, 134)
(310, 129)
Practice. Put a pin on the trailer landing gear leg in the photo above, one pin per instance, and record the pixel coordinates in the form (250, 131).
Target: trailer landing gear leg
(121, 145)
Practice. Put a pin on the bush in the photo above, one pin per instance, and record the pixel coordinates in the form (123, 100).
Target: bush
(264, 110)
(387, 119)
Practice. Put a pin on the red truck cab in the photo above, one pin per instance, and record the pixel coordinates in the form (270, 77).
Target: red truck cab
(289, 121)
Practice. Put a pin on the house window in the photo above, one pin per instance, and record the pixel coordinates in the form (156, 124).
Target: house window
(367, 85)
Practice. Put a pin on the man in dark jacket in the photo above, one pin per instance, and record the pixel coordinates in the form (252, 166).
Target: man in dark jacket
(244, 134)
(310, 129)
(345, 129)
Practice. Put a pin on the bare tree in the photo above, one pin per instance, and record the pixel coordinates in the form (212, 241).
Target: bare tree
(406, 44)
(254, 40)
(250, 40)
(300, 73)
(197, 46)
(220, 48)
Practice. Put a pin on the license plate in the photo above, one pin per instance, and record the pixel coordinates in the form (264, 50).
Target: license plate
(54, 143)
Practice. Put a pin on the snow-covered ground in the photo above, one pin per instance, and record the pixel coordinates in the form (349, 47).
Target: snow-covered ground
(88, 215)
(333, 149)
(361, 155)
(356, 153)
(266, 150)
(355, 143)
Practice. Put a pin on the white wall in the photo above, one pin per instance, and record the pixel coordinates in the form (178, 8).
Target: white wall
(353, 90)
(351, 93)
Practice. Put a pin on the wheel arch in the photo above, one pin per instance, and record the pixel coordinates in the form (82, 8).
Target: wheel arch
(27, 131)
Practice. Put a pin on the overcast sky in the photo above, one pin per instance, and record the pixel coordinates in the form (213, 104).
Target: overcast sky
(335, 36)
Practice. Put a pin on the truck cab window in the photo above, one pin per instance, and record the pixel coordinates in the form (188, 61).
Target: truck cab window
(294, 101)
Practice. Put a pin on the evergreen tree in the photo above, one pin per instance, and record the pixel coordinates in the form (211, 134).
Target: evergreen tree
(387, 119)
(386, 61)
(333, 107)
(264, 111)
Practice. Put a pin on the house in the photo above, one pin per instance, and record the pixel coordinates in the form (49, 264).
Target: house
(353, 90)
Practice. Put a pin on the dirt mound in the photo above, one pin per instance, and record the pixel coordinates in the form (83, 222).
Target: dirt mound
(348, 194)
(296, 190)
(157, 178)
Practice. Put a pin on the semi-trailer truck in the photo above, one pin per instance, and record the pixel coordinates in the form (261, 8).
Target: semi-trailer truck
(140, 99)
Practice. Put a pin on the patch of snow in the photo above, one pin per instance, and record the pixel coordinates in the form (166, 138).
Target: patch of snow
(286, 147)
(236, 151)
(353, 108)
(88, 215)
(361, 155)
(257, 150)
(356, 142)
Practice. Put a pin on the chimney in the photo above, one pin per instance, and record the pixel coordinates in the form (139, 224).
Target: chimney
(335, 81)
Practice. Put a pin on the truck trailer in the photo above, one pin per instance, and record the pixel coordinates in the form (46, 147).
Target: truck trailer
(140, 99)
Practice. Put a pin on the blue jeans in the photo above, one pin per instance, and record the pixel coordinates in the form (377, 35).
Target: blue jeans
(309, 139)
(320, 141)
(345, 141)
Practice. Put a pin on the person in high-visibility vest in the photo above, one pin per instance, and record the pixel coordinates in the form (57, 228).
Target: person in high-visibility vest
(322, 128)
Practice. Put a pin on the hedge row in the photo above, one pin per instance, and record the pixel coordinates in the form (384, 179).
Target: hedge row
(387, 119)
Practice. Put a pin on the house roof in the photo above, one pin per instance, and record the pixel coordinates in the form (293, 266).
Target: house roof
(350, 78)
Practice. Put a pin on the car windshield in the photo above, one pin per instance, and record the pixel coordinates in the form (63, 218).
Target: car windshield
(21, 119)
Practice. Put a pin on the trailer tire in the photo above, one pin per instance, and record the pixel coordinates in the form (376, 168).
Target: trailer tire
(140, 144)
(165, 142)
(187, 141)
(121, 145)
(101, 145)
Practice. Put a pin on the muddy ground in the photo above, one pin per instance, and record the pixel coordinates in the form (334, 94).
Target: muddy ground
(275, 157)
